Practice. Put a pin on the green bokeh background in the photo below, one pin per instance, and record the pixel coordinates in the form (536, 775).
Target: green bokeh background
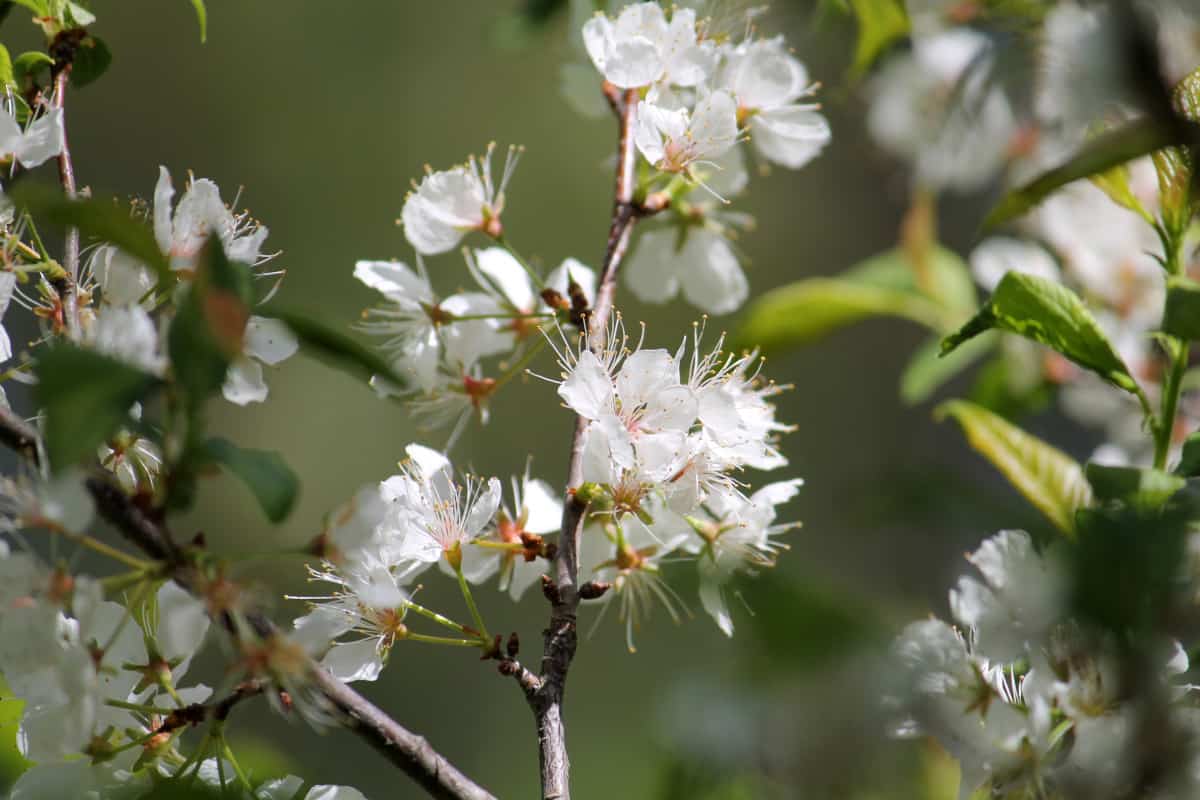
(323, 112)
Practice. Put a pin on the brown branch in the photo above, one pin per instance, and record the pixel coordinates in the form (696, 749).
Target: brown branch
(561, 639)
(408, 751)
(63, 51)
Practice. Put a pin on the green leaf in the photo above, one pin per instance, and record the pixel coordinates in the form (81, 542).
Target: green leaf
(927, 370)
(80, 16)
(1049, 478)
(106, 220)
(86, 396)
(6, 68)
(91, 61)
(1189, 460)
(1144, 488)
(337, 349)
(1051, 314)
(1185, 97)
(202, 18)
(1182, 314)
(884, 285)
(272, 481)
(1004, 387)
(40, 8)
(880, 23)
(207, 332)
(1103, 153)
(29, 64)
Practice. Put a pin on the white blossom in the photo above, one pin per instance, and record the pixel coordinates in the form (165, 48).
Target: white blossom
(447, 205)
(266, 341)
(183, 229)
(641, 47)
(42, 139)
(767, 80)
(696, 261)
(673, 139)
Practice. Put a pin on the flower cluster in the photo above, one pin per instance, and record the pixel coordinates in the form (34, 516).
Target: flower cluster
(440, 343)
(377, 545)
(705, 91)
(1019, 692)
(662, 455)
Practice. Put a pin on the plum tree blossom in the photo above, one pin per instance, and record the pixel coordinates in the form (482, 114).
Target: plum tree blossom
(448, 204)
(767, 80)
(151, 309)
(642, 47)
(39, 142)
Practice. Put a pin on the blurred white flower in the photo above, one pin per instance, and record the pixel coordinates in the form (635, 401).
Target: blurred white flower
(936, 107)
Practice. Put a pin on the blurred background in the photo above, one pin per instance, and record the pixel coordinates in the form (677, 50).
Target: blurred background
(323, 112)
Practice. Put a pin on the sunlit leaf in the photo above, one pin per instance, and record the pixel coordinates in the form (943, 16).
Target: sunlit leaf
(6, 68)
(29, 64)
(202, 18)
(884, 285)
(1049, 313)
(927, 370)
(1103, 153)
(1049, 478)
(880, 23)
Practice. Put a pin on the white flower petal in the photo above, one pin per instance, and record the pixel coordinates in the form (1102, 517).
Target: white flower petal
(269, 340)
(244, 382)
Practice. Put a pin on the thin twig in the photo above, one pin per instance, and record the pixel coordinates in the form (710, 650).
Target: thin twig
(410, 752)
(561, 637)
(66, 175)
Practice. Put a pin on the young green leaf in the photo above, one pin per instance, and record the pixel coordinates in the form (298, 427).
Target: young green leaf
(927, 371)
(40, 8)
(1049, 478)
(202, 18)
(29, 64)
(106, 220)
(91, 61)
(337, 349)
(1189, 460)
(6, 68)
(86, 396)
(272, 481)
(1144, 488)
(1051, 314)
(1182, 314)
(880, 23)
(1103, 153)
(884, 285)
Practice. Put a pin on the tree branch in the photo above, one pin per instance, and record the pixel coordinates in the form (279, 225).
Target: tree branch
(561, 636)
(408, 751)
(63, 52)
